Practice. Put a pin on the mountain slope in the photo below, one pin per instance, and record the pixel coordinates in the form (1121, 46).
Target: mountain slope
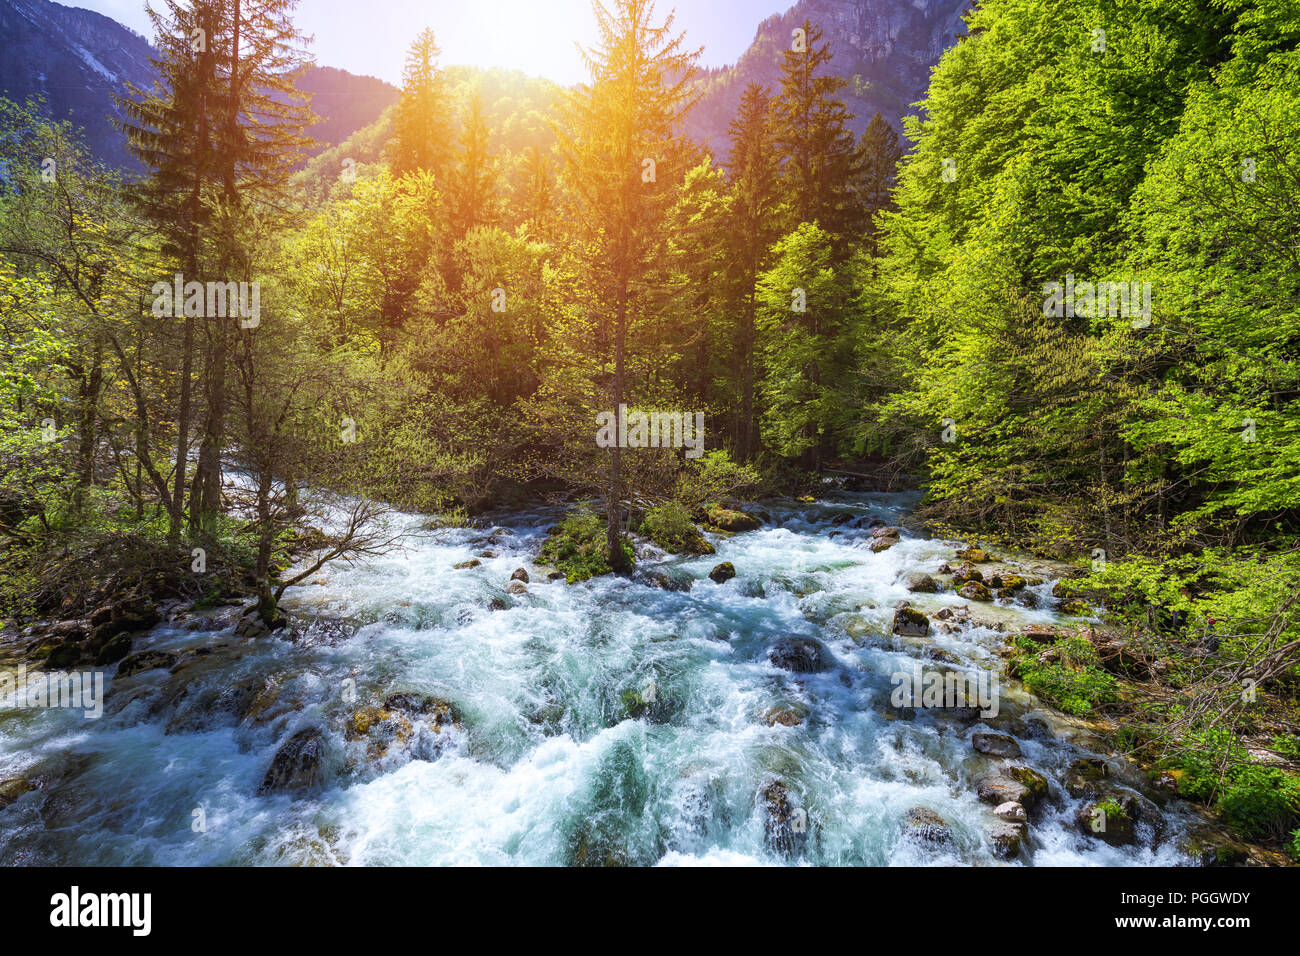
(884, 48)
(77, 60)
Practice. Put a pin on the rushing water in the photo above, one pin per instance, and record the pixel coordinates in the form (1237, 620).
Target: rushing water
(547, 765)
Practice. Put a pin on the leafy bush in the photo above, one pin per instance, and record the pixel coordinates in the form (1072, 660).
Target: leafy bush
(1261, 801)
(1073, 681)
(670, 527)
(577, 547)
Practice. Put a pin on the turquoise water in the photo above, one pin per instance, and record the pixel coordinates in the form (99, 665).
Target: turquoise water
(608, 721)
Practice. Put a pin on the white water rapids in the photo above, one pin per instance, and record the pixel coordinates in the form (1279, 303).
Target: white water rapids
(547, 766)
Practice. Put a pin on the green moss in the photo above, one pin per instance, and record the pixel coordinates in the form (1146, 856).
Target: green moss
(577, 547)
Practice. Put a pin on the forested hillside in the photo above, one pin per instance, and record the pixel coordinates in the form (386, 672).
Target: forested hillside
(1066, 306)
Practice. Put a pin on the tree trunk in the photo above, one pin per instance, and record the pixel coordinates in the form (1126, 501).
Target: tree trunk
(614, 496)
(266, 603)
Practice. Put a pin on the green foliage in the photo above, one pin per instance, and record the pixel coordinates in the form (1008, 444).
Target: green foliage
(1261, 801)
(577, 547)
(670, 527)
(1064, 673)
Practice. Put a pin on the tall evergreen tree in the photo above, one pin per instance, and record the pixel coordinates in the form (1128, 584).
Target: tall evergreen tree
(422, 132)
(812, 132)
(755, 225)
(619, 127)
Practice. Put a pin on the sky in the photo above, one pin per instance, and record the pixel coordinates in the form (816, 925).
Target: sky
(537, 36)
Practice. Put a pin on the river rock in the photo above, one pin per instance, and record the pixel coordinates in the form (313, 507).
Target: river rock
(1010, 811)
(785, 826)
(1005, 580)
(974, 555)
(516, 587)
(1107, 820)
(114, 649)
(925, 826)
(146, 661)
(920, 583)
(1004, 787)
(520, 575)
(802, 655)
(967, 572)
(1211, 846)
(725, 519)
(995, 745)
(787, 715)
(722, 573)
(298, 765)
(1007, 839)
(664, 580)
(465, 565)
(974, 591)
(910, 622)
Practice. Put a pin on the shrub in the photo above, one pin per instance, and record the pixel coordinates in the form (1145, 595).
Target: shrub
(1073, 682)
(1261, 801)
(577, 547)
(670, 527)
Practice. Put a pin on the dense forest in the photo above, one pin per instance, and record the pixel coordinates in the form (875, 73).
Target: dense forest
(1064, 302)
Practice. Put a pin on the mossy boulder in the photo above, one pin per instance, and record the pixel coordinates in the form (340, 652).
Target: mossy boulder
(975, 591)
(910, 622)
(114, 649)
(146, 661)
(1075, 608)
(1007, 840)
(975, 555)
(726, 519)
(1012, 785)
(670, 527)
(722, 573)
(466, 565)
(577, 546)
(1006, 580)
(1110, 820)
(1033, 782)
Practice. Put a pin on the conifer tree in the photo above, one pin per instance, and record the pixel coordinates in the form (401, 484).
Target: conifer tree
(619, 128)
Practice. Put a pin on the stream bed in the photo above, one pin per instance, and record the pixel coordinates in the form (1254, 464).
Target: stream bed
(422, 714)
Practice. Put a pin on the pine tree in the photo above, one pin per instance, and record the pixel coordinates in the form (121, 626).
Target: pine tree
(812, 132)
(619, 128)
(878, 156)
(422, 132)
(172, 132)
(755, 225)
(261, 143)
(472, 197)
